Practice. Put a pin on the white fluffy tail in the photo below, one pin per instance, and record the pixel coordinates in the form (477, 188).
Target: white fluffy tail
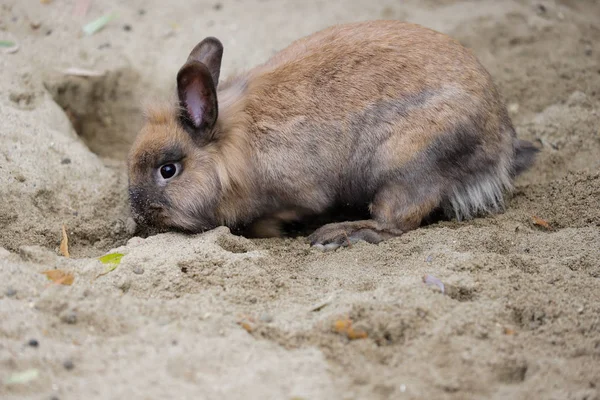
(483, 194)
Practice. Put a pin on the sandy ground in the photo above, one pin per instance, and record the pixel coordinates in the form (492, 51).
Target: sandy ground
(218, 316)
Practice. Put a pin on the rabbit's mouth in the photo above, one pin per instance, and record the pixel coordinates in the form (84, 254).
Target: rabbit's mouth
(159, 218)
(188, 223)
(153, 216)
(148, 208)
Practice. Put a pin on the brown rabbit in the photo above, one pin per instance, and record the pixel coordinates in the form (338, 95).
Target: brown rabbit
(385, 115)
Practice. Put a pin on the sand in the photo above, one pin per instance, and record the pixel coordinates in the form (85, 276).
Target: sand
(218, 316)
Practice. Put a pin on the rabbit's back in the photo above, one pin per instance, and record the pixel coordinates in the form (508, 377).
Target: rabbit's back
(339, 113)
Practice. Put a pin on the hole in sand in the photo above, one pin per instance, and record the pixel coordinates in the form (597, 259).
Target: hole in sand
(104, 111)
(461, 293)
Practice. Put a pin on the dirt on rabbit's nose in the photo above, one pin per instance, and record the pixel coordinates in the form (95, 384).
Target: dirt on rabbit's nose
(145, 210)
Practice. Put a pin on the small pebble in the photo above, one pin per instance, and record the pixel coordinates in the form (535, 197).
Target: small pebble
(130, 226)
(142, 12)
(266, 318)
(127, 27)
(65, 161)
(138, 270)
(124, 285)
(541, 8)
(69, 318)
(218, 6)
(10, 292)
(33, 343)
(68, 364)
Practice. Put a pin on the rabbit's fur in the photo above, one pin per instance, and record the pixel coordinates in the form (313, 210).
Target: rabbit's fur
(387, 115)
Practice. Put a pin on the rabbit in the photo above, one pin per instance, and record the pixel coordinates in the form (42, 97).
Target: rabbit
(387, 116)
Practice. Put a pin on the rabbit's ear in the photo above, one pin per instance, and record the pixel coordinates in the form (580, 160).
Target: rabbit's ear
(209, 52)
(197, 98)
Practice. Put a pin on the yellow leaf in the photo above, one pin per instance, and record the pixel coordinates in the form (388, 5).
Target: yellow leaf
(246, 326)
(342, 325)
(64, 243)
(356, 334)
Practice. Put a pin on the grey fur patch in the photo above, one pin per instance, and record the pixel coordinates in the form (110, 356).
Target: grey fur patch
(470, 176)
(525, 154)
(360, 181)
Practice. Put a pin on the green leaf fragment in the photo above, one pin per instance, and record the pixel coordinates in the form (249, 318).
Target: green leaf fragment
(111, 268)
(6, 43)
(97, 24)
(113, 258)
(22, 377)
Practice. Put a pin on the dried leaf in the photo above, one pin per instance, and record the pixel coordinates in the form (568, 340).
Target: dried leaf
(344, 327)
(22, 377)
(59, 277)
(64, 243)
(98, 24)
(356, 334)
(246, 325)
(540, 222)
(82, 72)
(509, 331)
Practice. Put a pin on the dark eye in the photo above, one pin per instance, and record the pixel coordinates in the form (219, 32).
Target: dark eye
(168, 171)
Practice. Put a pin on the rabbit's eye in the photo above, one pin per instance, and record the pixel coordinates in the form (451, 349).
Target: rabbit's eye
(168, 171)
